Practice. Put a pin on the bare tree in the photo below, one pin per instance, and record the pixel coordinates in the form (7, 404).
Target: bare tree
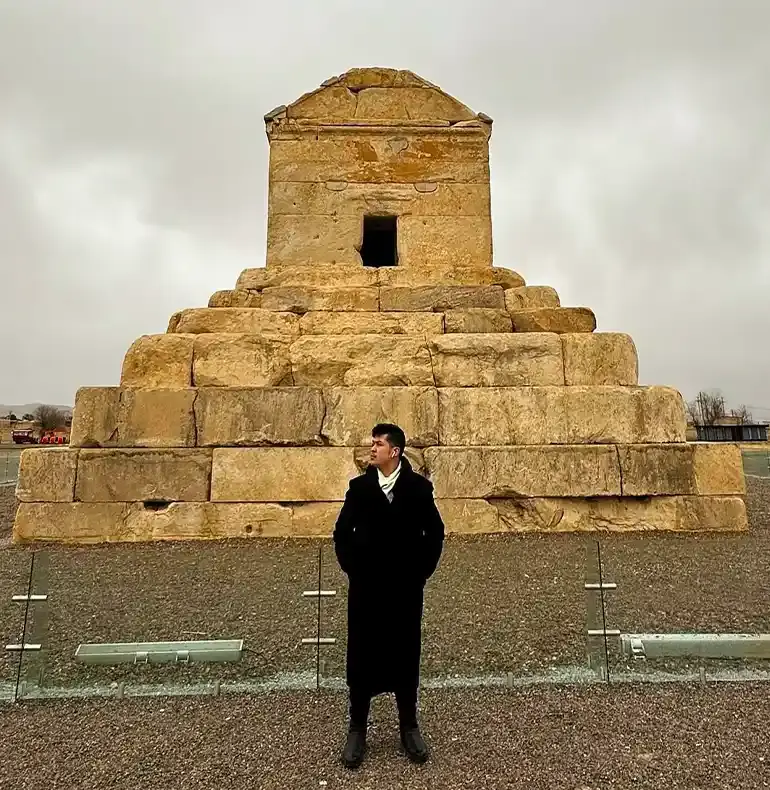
(742, 415)
(707, 407)
(49, 417)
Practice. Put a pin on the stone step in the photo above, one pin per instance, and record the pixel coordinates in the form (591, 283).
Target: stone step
(87, 522)
(333, 275)
(560, 320)
(235, 320)
(321, 474)
(440, 297)
(530, 296)
(450, 360)
(344, 416)
(328, 320)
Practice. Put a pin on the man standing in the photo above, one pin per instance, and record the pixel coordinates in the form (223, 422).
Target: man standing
(388, 539)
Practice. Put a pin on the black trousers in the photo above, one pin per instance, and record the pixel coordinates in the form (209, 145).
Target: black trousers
(406, 701)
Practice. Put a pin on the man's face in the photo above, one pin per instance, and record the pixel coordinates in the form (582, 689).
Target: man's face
(382, 451)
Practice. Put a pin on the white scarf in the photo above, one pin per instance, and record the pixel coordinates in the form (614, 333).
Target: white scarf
(388, 481)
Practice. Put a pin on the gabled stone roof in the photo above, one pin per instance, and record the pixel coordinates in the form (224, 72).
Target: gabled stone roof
(369, 95)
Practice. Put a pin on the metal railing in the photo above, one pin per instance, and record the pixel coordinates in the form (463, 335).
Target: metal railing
(501, 610)
(9, 466)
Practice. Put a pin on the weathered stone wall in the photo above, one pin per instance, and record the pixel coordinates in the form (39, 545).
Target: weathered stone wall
(368, 145)
(249, 417)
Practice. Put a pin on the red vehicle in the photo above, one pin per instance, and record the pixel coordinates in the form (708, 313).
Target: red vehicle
(24, 436)
(52, 437)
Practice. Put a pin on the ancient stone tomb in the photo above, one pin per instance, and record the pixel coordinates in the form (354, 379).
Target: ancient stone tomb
(378, 302)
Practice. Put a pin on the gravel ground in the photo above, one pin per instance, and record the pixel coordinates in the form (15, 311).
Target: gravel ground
(572, 738)
(497, 603)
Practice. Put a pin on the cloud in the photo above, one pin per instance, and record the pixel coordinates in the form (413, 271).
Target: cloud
(630, 164)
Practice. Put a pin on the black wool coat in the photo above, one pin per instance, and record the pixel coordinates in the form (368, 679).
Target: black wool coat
(388, 551)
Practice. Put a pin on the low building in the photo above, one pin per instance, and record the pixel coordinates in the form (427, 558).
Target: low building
(753, 432)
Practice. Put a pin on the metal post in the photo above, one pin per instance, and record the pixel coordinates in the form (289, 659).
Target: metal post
(24, 628)
(604, 611)
(318, 623)
(593, 617)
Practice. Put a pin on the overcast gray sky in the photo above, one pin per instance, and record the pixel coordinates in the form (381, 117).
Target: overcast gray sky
(630, 164)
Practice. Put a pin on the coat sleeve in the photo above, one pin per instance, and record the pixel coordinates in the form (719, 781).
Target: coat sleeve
(434, 533)
(343, 533)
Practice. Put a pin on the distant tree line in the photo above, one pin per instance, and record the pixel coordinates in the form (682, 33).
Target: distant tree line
(49, 417)
(709, 407)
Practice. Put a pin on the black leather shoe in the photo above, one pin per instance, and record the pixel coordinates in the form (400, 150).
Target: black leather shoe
(414, 746)
(353, 754)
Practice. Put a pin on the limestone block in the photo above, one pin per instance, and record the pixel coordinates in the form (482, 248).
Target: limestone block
(314, 519)
(468, 516)
(235, 298)
(535, 471)
(223, 360)
(443, 274)
(237, 320)
(173, 322)
(118, 475)
(484, 320)
(414, 455)
(496, 360)
(379, 77)
(616, 514)
(351, 413)
(47, 474)
(155, 418)
(554, 319)
(600, 358)
(529, 297)
(264, 416)
(718, 469)
(209, 521)
(321, 323)
(96, 417)
(506, 278)
(309, 273)
(356, 360)
(500, 416)
(466, 241)
(255, 279)
(133, 417)
(352, 199)
(303, 298)
(712, 513)
(440, 297)
(410, 103)
(71, 522)
(381, 103)
(703, 469)
(272, 474)
(560, 415)
(159, 361)
(333, 103)
(310, 239)
(379, 158)
(90, 523)
(621, 415)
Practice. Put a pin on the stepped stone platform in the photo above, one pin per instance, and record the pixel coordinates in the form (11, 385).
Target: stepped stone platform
(378, 303)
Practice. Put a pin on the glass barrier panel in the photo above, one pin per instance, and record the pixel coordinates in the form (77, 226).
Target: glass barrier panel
(680, 597)
(192, 592)
(15, 576)
(506, 607)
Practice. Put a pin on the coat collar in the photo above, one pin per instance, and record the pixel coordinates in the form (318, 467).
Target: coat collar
(403, 477)
(406, 470)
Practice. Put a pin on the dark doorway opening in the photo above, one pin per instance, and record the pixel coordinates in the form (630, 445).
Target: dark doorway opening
(380, 247)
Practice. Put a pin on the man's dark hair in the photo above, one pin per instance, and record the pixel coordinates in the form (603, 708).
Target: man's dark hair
(392, 433)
